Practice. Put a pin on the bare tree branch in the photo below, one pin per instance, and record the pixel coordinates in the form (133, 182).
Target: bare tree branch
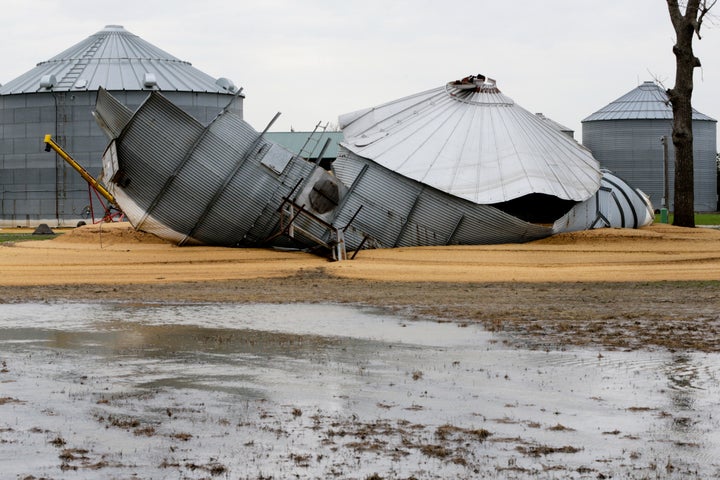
(704, 9)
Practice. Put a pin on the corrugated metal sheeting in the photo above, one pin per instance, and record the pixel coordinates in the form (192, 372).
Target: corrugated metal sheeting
(311, 142)
(226, 184)
(115, 59)
(210, 185)
(57, 97)
(625, 137)
(399, 211)
(196, 184)
(473, 143)
(646, 102)
(616, 204)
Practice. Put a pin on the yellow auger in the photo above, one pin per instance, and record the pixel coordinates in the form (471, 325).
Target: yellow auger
(50, 143)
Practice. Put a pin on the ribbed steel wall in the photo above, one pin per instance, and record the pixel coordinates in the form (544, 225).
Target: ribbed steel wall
(38, 187)
(398, 211)
(632, 150)
(200, 185)
(616, 204)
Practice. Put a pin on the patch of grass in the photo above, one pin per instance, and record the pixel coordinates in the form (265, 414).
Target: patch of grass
(70, 454)
(561, 428)
(437, 451)
(542, 450)
(448, 432)
(23, 237)
(148, 431)
(700, 218)
(58, 442)
(301, 460)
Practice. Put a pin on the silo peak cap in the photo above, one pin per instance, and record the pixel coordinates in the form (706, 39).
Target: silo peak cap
(479, 83)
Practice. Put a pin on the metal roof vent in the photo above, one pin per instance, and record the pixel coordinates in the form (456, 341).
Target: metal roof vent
(226, 84)
(80, 84)
(149, 80)
(47, 81)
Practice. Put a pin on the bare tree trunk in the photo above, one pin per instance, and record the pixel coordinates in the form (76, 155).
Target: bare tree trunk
(686, 25)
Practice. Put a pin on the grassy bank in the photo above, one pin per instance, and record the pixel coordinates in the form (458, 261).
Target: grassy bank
(22, 237)
(700, 218)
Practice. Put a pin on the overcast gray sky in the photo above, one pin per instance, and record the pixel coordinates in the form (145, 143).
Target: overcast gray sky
(313, 60)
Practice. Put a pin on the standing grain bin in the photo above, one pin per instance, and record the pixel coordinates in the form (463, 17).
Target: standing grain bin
(625, 137)
(57, 97)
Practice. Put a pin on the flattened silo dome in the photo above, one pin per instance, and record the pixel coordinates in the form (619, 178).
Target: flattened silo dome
(115, 59)
(468, 139)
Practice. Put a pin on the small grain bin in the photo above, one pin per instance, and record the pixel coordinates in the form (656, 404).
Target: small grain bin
(626, 136)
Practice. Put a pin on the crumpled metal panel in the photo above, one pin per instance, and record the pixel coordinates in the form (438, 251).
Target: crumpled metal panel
(476, 144)
(616, 204)
(399, 211)
(152, 145)
(110, 114)
(195, 184)
(215, 185)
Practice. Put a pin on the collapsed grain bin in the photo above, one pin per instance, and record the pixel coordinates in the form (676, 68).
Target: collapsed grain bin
(460, 164)
(464, 157)
(57, 97)
(626, 136)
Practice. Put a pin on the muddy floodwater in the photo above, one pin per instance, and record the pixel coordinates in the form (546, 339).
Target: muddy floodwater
(157, 391)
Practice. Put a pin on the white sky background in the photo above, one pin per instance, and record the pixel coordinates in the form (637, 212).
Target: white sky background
(313, 60)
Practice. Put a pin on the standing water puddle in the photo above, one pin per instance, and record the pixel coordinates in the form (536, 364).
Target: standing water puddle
(325, 391)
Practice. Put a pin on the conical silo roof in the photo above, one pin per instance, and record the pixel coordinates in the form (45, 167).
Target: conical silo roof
(646, 102)
(469, 140)
(115, 59)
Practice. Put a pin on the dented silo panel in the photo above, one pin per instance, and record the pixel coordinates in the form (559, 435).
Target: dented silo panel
(398, 211)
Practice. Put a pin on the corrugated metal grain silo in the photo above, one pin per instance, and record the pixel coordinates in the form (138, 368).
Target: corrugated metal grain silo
(625, 137)
(57, 97)
(461, 163)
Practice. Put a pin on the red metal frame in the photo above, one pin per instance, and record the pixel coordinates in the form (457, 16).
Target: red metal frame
(112, 214)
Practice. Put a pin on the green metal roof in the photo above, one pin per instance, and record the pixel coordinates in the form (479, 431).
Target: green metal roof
(294, 141)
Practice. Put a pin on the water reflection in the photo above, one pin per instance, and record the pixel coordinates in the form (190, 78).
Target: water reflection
(310, 372)
(683, 380)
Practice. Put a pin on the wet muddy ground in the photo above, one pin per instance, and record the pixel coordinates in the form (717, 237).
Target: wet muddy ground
(258, 391)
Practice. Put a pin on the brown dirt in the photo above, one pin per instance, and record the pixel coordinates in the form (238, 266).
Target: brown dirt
(618, 288)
